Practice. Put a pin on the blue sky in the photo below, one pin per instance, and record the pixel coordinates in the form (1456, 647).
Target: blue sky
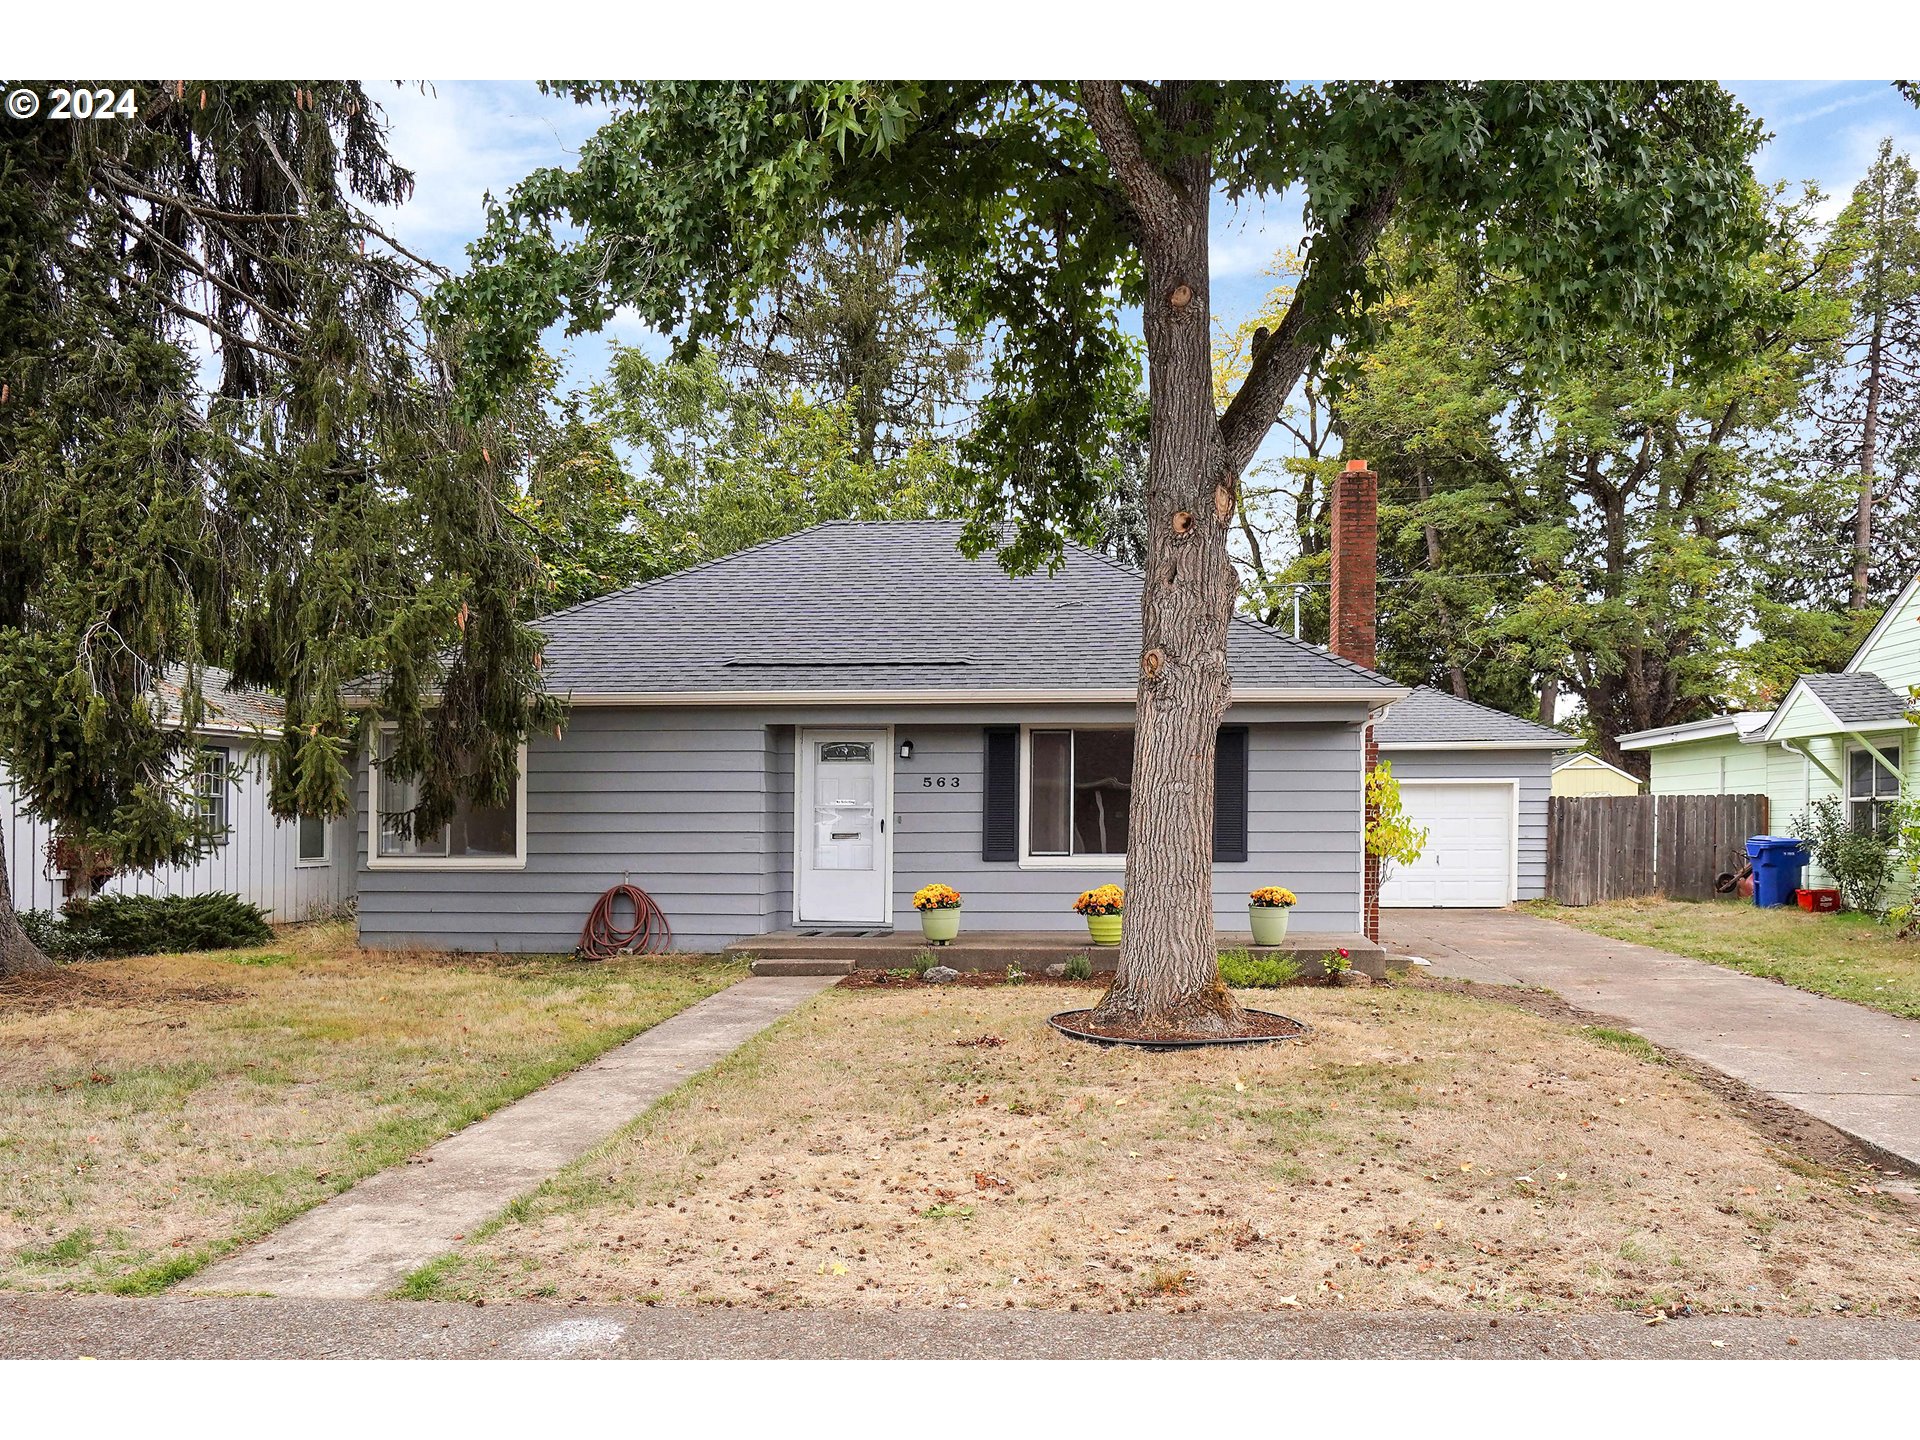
(466, 139)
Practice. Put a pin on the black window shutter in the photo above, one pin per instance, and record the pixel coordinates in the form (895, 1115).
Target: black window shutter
(1000, 802)
(1230, 794)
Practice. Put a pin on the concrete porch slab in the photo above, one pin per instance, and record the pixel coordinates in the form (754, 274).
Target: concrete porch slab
(781, 952)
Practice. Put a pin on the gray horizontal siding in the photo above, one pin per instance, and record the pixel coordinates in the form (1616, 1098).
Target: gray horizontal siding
(1532, 768)
(674, 801)
(696, 807)
(1303, 831)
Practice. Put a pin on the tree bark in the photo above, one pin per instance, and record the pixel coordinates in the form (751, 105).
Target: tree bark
(18, 954)
(1869, 459)
(1549, 699)
(1456, 673)
(1168, 976)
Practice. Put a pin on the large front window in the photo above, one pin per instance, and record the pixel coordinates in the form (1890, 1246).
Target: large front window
(1873, 790)
(1079, 790)
(475, 835)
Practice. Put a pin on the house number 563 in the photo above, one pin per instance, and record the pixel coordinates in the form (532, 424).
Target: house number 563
(940, 782)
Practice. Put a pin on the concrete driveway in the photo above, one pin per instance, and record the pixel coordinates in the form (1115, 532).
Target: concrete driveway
(1854, 1068)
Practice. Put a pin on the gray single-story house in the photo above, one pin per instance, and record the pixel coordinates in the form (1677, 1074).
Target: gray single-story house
(804, 733)
(1478, 780)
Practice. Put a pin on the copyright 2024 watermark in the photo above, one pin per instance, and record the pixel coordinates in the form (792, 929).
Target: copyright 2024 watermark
(62, 102)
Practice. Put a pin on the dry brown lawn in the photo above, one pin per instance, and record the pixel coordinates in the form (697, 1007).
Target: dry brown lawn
(1423, 1149)
(156, 1112)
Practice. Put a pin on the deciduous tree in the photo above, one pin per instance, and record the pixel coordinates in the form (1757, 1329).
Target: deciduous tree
(1038, 211)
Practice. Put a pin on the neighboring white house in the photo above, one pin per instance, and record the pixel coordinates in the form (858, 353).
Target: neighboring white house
(294, 870)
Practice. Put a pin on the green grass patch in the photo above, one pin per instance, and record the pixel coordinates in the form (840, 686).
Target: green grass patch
(1845, 956)
(1625, 1041)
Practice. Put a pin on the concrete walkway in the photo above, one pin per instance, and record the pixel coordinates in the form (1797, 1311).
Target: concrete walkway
(54, 1327)
(364, 1242)
(1854, 1068)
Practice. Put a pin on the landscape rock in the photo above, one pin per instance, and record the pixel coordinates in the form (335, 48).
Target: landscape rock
(941, 975)
(1057, 971)
(1352, 977)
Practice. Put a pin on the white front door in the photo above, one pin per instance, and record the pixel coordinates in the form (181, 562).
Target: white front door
(1468, 860)
(844, 853)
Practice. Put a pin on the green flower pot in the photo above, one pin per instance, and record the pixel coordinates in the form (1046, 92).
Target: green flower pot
(1105, 929)
(1268, 923)
(940, 926)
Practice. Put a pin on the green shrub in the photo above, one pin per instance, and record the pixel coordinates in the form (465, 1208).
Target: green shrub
(1243, 970)
(922, 961)
(57, 937)
(1079, 967)
(1859, 861)
(148, 925)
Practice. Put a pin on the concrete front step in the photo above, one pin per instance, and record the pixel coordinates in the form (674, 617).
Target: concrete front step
(799, 965)
(789, 952)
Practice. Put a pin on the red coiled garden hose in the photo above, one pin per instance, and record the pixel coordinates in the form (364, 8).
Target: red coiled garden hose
(603, 937)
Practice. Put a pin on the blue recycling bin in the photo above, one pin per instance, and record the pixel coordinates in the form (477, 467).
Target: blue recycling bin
(1779, 862)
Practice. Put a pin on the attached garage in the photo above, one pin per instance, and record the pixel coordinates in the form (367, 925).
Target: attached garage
(1477, 779)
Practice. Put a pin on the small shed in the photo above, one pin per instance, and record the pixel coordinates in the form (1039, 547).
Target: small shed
(1587, 774)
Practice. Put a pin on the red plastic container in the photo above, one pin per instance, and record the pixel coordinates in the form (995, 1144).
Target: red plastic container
(1818, 900)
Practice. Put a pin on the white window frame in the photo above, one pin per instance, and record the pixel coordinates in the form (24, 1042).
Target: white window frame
(1031, 861)
(220, 793)
(302, 862)
(1879, 773)
(377, 861)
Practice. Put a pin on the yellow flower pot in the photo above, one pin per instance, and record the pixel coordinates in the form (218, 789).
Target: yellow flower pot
(1105, 929)
(940, 926)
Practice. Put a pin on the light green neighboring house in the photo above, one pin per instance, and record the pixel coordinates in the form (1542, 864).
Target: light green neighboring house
(1846, 734)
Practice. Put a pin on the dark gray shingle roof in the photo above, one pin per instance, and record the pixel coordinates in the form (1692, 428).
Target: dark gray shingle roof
(876, 606)
(1857, 697)
(238, 709)
(1433, 717)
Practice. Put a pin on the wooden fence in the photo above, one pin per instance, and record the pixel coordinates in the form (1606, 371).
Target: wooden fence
(1616, 847)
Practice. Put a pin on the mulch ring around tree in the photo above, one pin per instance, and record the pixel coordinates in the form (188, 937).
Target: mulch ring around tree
(78, 985)
(1258, 1027)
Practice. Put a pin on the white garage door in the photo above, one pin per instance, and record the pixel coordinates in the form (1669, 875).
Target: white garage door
(1469, 855)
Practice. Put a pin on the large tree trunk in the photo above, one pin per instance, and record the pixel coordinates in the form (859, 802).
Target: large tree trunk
(1168, 976)
(1869, 458)
(18, 954)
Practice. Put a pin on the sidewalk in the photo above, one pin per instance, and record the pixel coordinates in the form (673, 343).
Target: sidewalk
(364, 1242)
(1854, 1068)
(42, 1326)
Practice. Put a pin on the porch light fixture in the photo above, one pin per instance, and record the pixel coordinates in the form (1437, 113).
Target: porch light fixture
(906, 749)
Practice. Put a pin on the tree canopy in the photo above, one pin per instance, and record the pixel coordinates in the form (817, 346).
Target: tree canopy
(1039, 213)
(226, 438)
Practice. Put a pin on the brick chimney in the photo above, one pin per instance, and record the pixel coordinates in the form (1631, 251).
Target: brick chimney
(1352, 624)
(1356, 547)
